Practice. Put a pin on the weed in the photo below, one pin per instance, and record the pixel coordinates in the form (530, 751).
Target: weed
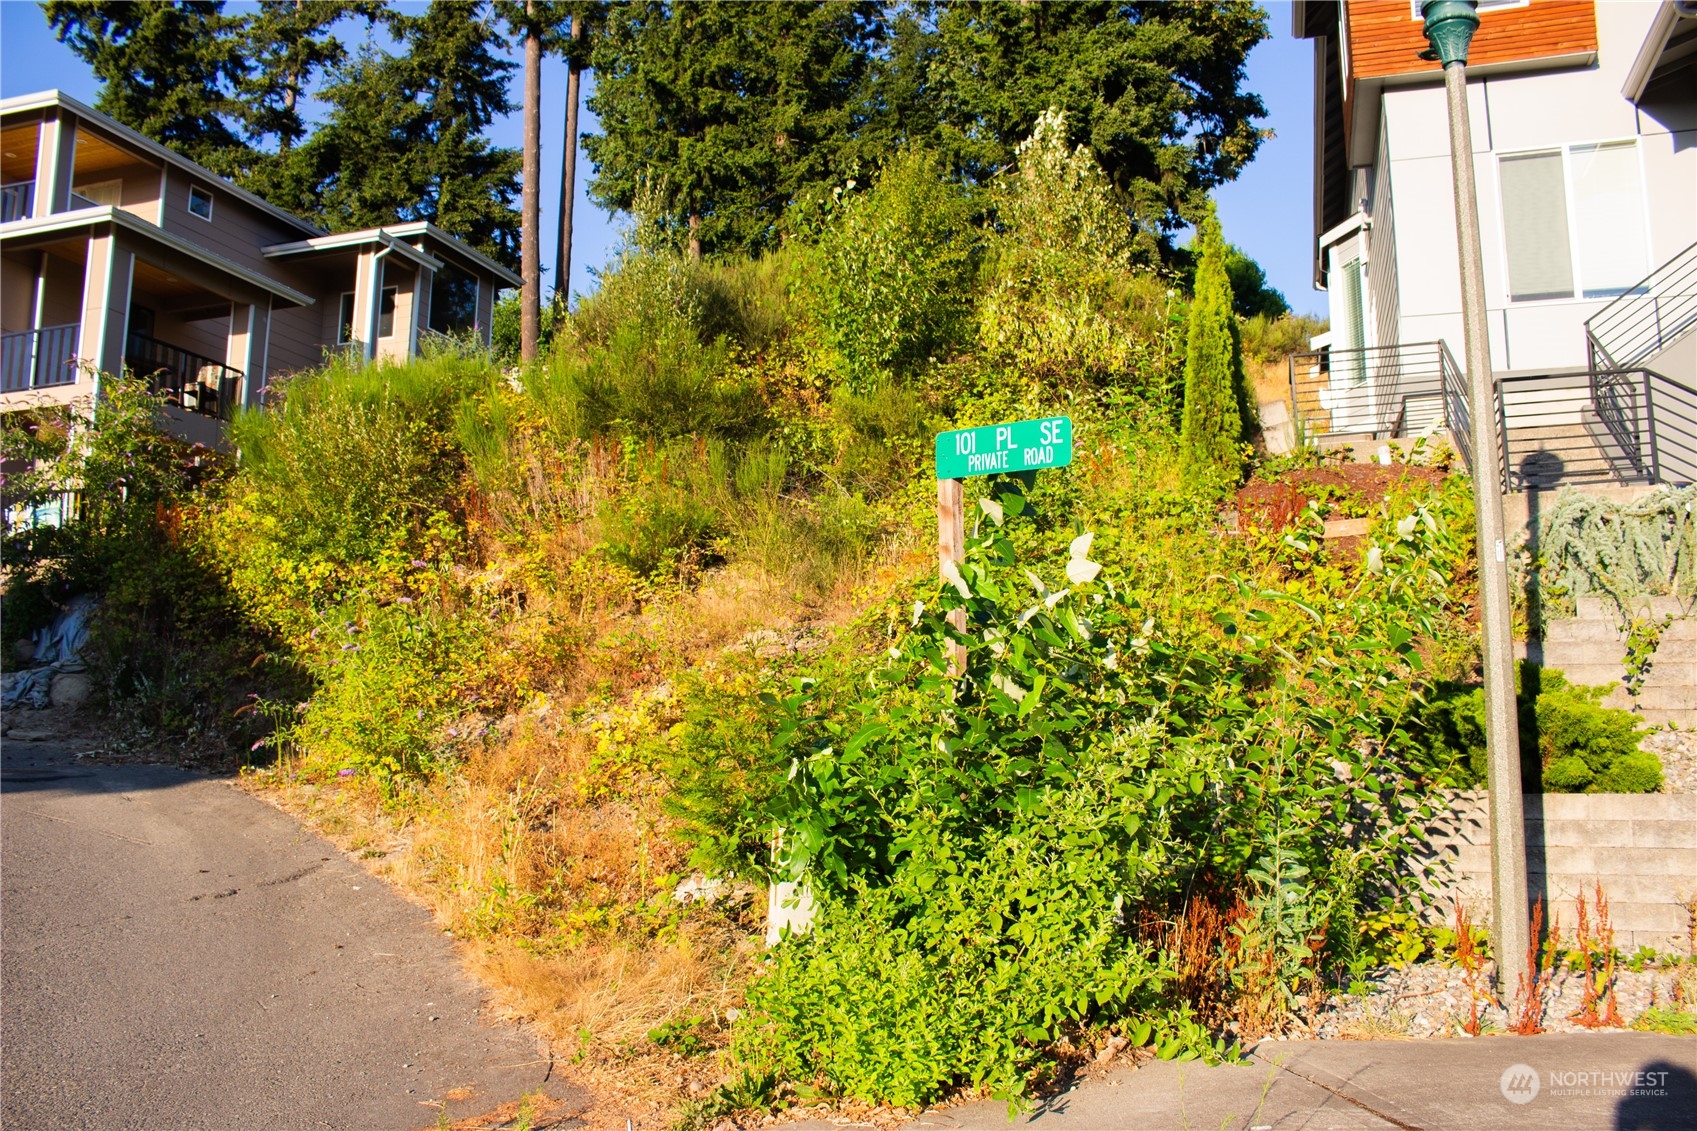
(1594, 940)
(1533, 983)
(1472, 972)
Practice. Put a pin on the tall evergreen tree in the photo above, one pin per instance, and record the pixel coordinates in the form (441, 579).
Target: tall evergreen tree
(530, 23)
(288, 44)
(1216, 411)
(1154, 89)
(404, 138)
(169, 70)
(727, 115)
(578, 47)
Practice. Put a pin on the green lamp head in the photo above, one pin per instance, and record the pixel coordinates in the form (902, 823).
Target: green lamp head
(1449, 28)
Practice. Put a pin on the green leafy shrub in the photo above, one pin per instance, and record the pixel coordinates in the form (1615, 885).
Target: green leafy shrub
(1063, 301)
(170, 657)
(391, 682)
(346, 482)
(980, 847)
(1268, 338)
(891, 269)
(1569, 742)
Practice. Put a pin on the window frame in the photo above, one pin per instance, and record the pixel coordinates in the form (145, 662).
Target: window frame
(345, 302)
(205, 192)
(391, 296)
(1565, 150)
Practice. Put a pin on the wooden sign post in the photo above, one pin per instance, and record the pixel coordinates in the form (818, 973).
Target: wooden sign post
(951, 547)
(995, 449)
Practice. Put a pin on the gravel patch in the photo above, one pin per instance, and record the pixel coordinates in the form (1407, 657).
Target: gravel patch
(1432, 1000)
(1678, 751)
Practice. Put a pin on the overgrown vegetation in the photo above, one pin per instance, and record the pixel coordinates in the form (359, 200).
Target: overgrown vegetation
(542, 644)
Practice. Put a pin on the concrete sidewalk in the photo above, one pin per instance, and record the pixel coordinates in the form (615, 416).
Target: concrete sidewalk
(1438, 1085)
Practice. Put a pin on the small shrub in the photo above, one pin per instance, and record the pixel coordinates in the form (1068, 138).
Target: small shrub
(1217, 414)
(392, 681)
(1065, 304)
(1569, 742)
(892, 269)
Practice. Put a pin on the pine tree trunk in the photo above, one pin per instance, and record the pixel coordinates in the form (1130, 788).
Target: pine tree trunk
(568, 177)
(530, 265)
(694, 237)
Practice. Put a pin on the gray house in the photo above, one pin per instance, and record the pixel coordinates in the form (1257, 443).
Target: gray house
(116, 253)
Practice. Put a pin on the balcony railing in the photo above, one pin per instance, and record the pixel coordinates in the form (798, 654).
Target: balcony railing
(1372, 393)
(191, 382)
(1612, 425)
(39, 359)
(16, 200)
(1616, 426)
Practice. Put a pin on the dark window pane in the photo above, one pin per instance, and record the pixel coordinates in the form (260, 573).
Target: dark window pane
(453, 301)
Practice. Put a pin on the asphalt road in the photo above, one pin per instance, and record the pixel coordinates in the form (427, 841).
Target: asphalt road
(175, 954)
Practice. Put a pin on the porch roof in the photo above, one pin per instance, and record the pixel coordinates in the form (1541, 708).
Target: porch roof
(144, 236)
(342, 241)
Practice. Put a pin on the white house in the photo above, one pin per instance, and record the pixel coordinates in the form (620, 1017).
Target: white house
(1584, 120)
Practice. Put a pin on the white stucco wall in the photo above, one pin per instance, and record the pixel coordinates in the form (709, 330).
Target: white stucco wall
(1513, 113)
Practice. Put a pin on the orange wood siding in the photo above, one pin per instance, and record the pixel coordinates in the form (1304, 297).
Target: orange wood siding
(1385, 38)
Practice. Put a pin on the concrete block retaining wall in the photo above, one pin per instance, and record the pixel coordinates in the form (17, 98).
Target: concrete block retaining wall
(1641, 847)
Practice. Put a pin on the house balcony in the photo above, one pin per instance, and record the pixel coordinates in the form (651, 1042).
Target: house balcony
(186, 380)
(39, 359)
(46, 360)
(17, 199)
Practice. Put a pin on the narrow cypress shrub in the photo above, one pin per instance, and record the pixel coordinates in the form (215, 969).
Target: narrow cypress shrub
(1217, 413)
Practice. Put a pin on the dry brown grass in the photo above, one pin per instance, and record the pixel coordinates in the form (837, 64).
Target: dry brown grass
(546, 852)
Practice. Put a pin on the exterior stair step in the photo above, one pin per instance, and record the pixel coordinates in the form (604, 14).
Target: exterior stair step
(1603, 608)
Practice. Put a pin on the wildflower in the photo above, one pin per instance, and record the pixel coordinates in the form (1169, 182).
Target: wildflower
(346, 773)
(256, 746)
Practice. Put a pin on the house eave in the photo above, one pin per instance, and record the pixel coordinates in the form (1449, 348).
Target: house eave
(89, 218)
(51, 99)
(424, 228)
(342, 241)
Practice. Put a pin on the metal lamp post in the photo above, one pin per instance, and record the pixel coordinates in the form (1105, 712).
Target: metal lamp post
(1449, 29)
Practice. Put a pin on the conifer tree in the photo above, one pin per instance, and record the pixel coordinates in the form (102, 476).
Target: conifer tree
(404, 138)
(168, 70)
(1216, 409)
(725, 111)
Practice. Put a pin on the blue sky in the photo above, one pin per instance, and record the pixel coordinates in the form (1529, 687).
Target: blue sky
(1266, 212)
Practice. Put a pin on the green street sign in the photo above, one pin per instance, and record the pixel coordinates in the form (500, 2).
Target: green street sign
(1020, 445)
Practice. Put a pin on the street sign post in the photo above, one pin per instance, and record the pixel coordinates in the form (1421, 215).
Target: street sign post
(995, 449)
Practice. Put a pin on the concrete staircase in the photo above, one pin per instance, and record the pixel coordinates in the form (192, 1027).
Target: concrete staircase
(1589, 649)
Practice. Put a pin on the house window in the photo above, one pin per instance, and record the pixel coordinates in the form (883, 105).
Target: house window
(453, 300)
(1574, 222)
(200, 202)
(107, 194)
(386, 314)
(345, 325)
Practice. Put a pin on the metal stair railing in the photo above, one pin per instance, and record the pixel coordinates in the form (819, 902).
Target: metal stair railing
(1371, 393)
(1649, 317)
